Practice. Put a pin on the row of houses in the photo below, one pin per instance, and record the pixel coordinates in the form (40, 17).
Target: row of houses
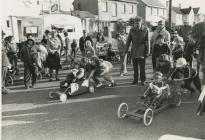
(188, 16)
(102, 14)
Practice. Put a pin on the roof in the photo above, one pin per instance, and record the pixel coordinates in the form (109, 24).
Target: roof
(186, 11)
(131, 1)
(176, 10)
(196, 10)
(153, 3)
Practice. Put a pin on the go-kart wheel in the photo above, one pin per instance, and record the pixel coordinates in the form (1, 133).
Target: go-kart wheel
(122, 110)
(63, 97)
(148, 117)
(51, 95)
(91, 89)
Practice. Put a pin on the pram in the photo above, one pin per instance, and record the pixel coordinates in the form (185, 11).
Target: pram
(10, 75)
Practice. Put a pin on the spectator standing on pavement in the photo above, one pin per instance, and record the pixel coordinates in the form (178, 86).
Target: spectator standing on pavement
(201, 107)
(29, 56)
(67, 43)
(177, 46)
(5, 65)
(100, 38)
(160, 30)
(61, 42)
(12, 50)
(82, 41)
(89, 49)
(73, 47)
(160, 48)
(46, 36)
(123, 59)
(189, 49)
(139, 37)
(53, 59)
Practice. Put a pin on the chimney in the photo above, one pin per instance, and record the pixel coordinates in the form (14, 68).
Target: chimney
(180, 5)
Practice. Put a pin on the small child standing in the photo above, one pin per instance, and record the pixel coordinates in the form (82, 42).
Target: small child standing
(160, 48)
(73, 47)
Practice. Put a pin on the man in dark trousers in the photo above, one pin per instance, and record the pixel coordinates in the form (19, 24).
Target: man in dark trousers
(139, 37)
(82, 41)
(28, 55)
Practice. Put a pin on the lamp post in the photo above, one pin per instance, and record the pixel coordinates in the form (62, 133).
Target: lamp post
(170, 15)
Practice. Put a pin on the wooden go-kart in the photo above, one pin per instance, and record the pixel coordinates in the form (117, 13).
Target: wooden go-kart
(75, 88)
(146, 110)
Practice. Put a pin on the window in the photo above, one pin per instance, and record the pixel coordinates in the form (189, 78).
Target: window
(123, 8)
(154, 11)
(160, 12)
(114, 9)
(149, 11)
(8, 23)
(130, 9)
(104, 7)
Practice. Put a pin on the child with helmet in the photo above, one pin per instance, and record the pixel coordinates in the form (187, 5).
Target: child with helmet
(157, 91)
(187, 74)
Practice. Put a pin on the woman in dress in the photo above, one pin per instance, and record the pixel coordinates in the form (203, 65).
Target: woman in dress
(53, 59)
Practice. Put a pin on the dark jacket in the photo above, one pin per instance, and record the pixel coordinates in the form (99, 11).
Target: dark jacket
(189, 48)
(186, 73)
(140, 42)
(159, 50)
(82, 42)
(29, 55)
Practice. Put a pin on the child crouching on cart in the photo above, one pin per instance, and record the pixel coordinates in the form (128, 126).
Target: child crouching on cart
(102, 69)
(76, 74)
(157, 91)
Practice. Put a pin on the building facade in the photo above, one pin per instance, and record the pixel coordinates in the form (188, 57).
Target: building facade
(152, 10)
(177, 17)
(188, 16)
(108, 11)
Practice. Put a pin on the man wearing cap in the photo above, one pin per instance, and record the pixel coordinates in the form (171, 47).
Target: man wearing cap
(139, 37)
(82, 41)
(160, 30)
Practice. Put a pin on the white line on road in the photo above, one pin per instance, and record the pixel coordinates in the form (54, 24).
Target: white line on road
(23, 115)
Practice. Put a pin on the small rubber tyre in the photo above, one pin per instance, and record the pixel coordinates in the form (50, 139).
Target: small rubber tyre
(122, 110)
(148, 117)
(51, 95)
(63, 97)
(91, 89)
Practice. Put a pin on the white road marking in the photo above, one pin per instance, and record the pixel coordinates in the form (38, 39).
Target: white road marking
(23, 115)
